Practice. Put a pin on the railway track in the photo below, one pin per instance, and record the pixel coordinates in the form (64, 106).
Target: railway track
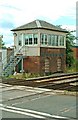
(59, 82)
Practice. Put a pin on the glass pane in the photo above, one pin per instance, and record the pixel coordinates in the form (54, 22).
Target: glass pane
(42, 38)
(30, 40)
(26, 41)
(45, 39)
(53, 40)
(20, 40)
(35, 38)
(56, 40)
(61, 40)
(29, 36)
(20, 37)
(35, 41)
(26, 36)
(49, 39)
(35, 35)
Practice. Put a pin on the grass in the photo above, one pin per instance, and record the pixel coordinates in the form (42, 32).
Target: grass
(73, 68)
(24, 75)
(34, 75)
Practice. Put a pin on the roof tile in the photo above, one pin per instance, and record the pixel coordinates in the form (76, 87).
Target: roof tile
(39, 24)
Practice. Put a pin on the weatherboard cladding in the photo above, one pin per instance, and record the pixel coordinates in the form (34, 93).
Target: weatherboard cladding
(39, 24)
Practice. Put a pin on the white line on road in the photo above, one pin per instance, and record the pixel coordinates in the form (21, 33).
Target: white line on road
(23, 113)
(31, 112)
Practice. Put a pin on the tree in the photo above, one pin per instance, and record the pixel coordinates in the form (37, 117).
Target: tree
(69, 44)
(2, 44)
(69, 52)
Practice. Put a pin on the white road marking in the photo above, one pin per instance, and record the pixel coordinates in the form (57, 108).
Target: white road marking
(68, 109)
(31, 89)
(23, 113)
(29, 112)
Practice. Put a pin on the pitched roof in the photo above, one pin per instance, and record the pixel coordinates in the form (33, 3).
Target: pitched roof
(39, 24)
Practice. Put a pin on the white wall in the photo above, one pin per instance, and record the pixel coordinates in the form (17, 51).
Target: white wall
(3, 57)
(33, 51)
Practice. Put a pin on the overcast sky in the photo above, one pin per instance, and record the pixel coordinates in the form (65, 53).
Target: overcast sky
(14, 13)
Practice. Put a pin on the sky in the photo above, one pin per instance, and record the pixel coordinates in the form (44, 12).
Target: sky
(14, 13)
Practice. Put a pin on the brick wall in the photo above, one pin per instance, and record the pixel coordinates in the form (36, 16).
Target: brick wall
(75, 52)
(35, 64)
(32, 64)
(53, 54)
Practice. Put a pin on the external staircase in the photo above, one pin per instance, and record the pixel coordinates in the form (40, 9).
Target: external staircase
(13, 59)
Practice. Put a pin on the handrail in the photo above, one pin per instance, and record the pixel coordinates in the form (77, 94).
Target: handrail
(16, 52)
(13, 53)
(7, 60)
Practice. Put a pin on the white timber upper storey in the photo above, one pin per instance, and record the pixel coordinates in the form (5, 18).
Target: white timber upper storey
(39, 34)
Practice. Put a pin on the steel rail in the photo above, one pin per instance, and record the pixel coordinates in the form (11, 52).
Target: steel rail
(41, 80)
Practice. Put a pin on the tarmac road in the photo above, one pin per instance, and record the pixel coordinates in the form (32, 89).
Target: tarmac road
(22, 102)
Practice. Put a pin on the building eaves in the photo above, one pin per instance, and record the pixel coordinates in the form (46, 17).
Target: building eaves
(39, 24)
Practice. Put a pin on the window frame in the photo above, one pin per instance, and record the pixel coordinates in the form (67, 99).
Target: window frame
(56, 40)
(49, 39)
(61, 40)
(26, 41)
(43, 39)
(35, 39)
(52, 40)
(20, 39)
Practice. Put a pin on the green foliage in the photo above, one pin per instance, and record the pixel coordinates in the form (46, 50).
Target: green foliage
(2, 44)
(76, 65)
(69, 52)
(24, 75)
(73, 68)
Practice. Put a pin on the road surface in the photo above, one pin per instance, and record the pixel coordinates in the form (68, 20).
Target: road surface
(31, 103)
